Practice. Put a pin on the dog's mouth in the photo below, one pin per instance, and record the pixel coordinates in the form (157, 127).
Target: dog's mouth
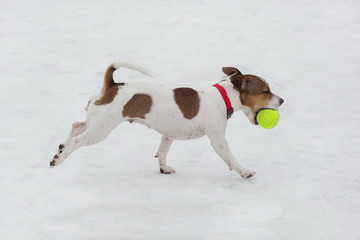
(255, 121)
(255, 115)
(252, 117)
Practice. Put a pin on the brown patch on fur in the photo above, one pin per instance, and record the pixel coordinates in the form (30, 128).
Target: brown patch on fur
(110, 88)
(137, 106)
(254, 92)
(188, 101)
(109, 94)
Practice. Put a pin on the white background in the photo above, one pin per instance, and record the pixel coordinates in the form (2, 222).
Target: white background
(53, 55)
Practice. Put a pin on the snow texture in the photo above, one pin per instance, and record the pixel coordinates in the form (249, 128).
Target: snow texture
(53, 57)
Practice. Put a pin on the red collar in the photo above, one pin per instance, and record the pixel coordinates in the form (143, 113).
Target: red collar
(223, 93)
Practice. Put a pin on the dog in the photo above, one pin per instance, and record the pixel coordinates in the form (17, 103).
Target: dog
(177, 114)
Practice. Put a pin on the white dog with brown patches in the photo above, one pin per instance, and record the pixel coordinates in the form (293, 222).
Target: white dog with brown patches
(177, 114)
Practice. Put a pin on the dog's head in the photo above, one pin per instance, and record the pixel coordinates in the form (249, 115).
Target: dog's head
(255, 93)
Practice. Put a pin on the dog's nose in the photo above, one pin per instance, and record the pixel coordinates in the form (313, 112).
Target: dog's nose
(281, 101)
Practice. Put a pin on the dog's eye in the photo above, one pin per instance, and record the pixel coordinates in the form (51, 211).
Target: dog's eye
(266, 92)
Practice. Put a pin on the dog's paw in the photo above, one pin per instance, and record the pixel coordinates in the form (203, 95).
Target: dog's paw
(246, 173)
(53, 162)
(167, 170)
(61, 149)
(57, 160)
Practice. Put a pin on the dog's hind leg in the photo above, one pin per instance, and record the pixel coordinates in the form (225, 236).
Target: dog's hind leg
(162, 153)
(76, 129)
(82, 136)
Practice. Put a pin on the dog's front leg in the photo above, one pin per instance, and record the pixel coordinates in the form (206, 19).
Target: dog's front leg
(162, 153)
(221, 147)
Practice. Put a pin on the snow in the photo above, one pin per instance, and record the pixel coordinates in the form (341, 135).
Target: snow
(53, 57)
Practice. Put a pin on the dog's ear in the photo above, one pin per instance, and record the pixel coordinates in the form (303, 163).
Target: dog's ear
(231, 70)
(239, 82)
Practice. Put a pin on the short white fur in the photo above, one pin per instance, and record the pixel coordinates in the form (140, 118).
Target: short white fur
(165, 117)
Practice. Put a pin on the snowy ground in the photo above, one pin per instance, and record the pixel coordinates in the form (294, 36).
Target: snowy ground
(53, 56)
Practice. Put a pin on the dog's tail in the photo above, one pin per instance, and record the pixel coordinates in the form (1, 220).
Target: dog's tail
(109, 80)
(133, 66)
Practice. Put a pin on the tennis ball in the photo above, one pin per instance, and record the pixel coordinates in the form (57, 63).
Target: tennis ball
(268, 118)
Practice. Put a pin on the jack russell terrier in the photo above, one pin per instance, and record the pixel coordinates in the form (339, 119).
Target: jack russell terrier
(177, 114)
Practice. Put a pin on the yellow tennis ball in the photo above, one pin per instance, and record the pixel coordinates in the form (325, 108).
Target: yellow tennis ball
(268, 118)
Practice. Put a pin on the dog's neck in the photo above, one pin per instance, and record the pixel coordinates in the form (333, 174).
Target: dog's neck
(232, 93)
(234, 96)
